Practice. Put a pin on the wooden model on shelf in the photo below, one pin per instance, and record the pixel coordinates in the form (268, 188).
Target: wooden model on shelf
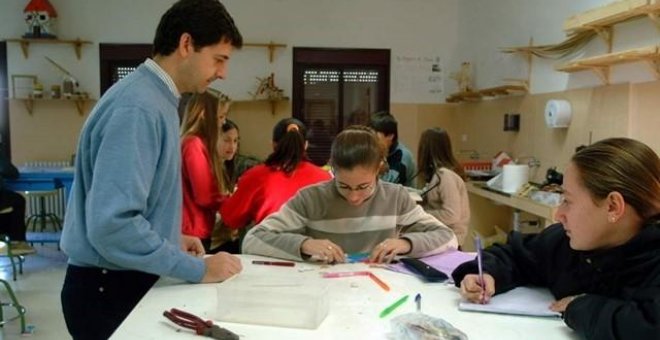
(39, 16)
(268, 91)
(463, 77)
(468, 93)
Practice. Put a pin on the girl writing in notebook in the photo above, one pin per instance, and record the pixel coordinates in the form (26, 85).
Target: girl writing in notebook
(353, 213)
(602, 261)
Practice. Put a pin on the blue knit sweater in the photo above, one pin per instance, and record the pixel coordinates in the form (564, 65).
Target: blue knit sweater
(124, 212)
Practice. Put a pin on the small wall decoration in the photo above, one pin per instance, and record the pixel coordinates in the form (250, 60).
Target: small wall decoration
(22, 85)
(266, 89)
(39, 16)
(464, 77)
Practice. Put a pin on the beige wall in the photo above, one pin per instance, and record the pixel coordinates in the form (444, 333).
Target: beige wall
(645, 114)
(255, 121)
(413, 119)
(51, 131)
(597, 113)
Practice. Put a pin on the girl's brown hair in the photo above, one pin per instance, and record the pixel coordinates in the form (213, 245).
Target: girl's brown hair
(435, 152)
(622, 165)
(201, 119)
(357, 145)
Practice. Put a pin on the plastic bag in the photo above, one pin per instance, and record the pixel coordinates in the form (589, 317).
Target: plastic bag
(419, 326)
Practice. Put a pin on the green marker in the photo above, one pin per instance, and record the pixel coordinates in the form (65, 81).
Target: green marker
(393, 306)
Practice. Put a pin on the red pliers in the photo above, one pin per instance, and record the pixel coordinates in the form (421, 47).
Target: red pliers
(201, 327)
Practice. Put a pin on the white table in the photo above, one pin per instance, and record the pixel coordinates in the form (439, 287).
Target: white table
(355, 303)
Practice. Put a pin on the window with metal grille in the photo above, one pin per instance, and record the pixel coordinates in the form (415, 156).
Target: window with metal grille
(119, 60)
(120, 72)
(335, 88)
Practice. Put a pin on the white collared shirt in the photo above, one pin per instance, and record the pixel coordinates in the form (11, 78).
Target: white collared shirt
(155, 68)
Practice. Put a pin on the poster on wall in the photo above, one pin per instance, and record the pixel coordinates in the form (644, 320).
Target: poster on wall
(417, 79)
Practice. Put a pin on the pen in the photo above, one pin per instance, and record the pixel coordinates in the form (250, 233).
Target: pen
(393, 306)
(275, 263)
(418, 302)
(477, 241)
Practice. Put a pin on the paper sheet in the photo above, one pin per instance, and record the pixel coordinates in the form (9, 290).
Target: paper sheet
(529, 301)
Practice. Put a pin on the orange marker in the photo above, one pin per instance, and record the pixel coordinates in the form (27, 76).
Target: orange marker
(379, 282)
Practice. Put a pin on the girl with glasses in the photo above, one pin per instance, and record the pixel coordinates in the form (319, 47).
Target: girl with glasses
(353, 213)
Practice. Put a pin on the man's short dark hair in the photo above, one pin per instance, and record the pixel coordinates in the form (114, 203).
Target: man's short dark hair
(386, 124)
(207, 22)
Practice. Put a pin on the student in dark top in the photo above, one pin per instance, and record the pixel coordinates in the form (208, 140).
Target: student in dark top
(400, 162)
(12, 223)
(602, 261)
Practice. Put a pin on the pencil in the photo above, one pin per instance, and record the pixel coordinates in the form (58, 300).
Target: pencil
(393, 306)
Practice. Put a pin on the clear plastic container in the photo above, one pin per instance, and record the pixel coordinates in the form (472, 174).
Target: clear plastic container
(273, 301)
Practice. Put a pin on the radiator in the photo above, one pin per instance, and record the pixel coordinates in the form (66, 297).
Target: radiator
(53, 204)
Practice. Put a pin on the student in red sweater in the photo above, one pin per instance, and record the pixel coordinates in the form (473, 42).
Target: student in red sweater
(202, 165)
(264, 188)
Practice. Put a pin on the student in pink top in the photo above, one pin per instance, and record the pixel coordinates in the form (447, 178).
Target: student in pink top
(202, 165)
(264, 188)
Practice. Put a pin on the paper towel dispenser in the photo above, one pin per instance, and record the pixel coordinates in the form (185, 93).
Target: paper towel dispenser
(558, 113)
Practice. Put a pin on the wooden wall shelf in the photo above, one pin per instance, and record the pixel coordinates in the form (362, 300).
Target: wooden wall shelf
(25, 44)
(271, 46)
(79, 102)
(273, 102)
(611, 14)
(476, 95)
(601, 64)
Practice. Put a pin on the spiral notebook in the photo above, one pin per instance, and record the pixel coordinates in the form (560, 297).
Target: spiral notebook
(528, 301)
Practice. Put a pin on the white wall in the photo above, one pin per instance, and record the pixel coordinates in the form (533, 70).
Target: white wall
(451, 30)
(412, 28)
(486, 26)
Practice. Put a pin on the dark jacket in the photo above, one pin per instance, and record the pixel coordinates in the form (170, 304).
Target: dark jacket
(7, 170)
(621, 285)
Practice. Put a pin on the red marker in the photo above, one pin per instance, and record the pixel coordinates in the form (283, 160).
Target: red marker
(275, 263)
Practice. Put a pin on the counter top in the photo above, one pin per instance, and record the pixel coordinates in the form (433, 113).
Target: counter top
(544, 211)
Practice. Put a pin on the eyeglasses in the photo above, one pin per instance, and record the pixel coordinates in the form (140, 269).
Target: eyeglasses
(366, 189)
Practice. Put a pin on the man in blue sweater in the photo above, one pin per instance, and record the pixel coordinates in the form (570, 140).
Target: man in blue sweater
(123, 225)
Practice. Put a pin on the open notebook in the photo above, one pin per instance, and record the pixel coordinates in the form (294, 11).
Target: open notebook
(529, 301)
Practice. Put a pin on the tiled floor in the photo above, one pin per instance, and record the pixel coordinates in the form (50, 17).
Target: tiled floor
(38, 289)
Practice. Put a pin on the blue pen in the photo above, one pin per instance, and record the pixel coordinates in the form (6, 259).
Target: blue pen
(418, 302)
(477, 241)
